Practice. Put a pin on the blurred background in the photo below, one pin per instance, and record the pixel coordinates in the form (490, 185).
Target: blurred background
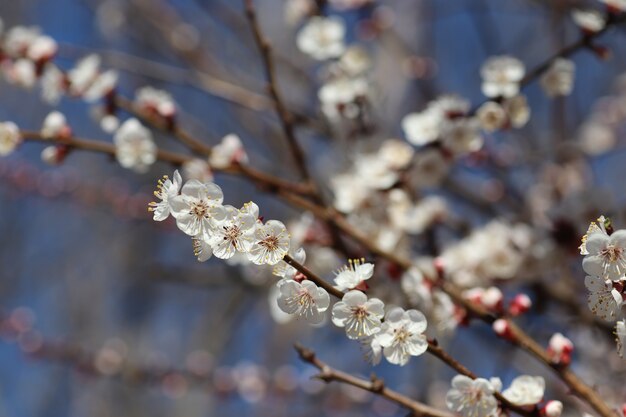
(106, 312)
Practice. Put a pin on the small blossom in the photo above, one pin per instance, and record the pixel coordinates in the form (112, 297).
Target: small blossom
(502, 328)
(590, 21)
(518, 110)
(236, 232)
(10, 137)
(109, 123)
(43, 48)
(229, 151)
(21, 73)
(355, 61)
(55, 126)
(271, 243)
(303, 299)
(525, 390)
(491, 116)
(606, 255)
(604, 301)
(54, 155)
(396, 154)
(620, 334)
(360, 317)
(322, 37)
(149, 101)
(18, 39)
(166, 189)
(558, 80)
(134, 147)
(501, 76)
(52, 84)
(338, 97)
(462, 136)
(198, 209)
(422, 128)
(401, 335)
(102, 86)
(352, 275)
(472, 397)
(83, 74)
(197, 169)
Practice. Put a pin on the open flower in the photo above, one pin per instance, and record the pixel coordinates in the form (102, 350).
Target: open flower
(360, 317)
(558, 80)
(198, 209)
(401, 335)
(525, 390)
(134, 147)
(604, 301)
(472, 397)
(322, 37)
(271, 243)
(230, 150)
(303, 299)
(606, 255)
(352, 275)
(166, 190)
(235, 233)
(501, 76)
(9, 137)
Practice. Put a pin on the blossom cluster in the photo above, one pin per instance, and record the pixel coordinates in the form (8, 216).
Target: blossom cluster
(604, 261)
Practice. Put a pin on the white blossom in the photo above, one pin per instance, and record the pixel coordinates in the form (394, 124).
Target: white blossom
(401, 335)
(134, 147)
(54, 125)
(83, 74)
(606, 255)
(9, 137)
(518, 110)
(271, 243)
(353, 274)
(230, 150)
(322, 37)
(18, 39)
(462, 136)
(197, 169)
(604, 301)
(102, 85)
(338, 97)
(303, 299)
(22, 73)
(491, 116)
(355, 61)
(558, 80)
(615, 5)
(501, 76)
(150, 100)
(166, 189)
(358, 315)
(525, 390)
(198, 209)
(472, 397)
(422, 128)
(236, 232)
(52, 84)
(42, 48)
(589, 20)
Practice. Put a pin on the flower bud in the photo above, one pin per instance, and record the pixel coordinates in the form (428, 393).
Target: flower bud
(552, 408)
(502, 328)
(520, 305)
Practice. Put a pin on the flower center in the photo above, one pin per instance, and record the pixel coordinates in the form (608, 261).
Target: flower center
(359, 313)
(305, 299)
(200, 209)
(232, 233)
(401, 335)
(611, 253)
(270, 243)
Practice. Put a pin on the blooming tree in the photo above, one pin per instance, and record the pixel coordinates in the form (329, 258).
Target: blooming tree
(389, 248)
